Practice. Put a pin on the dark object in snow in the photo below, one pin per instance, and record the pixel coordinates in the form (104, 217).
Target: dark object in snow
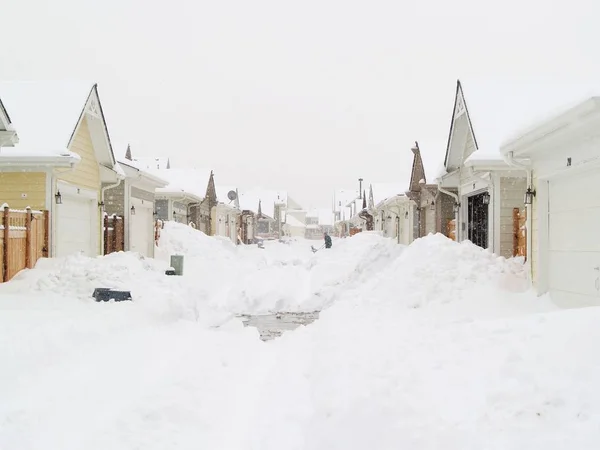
(107, 294)
(315, 250)
(328, 242)
(170, 272)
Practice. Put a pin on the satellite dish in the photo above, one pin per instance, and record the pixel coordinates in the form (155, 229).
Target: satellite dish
(231, 195)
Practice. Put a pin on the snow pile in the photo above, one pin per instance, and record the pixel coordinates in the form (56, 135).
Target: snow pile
(435, 269)
(180, 239)
(444, 347)
(316, 277)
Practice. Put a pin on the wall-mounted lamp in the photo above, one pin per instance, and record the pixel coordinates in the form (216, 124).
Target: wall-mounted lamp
(529, 194)
(406, 214)
(58, 198)
(432, 206)
(389, 217)
(154, 213)
(132, 210)
(486, 198)
(101, 205)
(456, 207)
(174, 214)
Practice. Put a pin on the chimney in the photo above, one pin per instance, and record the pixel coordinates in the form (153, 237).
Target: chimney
(360, 180)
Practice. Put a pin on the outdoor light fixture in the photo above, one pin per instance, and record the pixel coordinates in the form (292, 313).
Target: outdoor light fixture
(432, 206)
(154, 213)
(389, 217)
(58, 198)
(101, 205)
(485, 198)
(132, 210)
(456, 207)
(529, 194)
(174, 214)
(406, 214)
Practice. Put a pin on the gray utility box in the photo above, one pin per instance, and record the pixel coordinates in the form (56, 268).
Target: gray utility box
(177, 264)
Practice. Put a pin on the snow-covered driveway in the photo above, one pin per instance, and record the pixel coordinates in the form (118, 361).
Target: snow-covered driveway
(438, 345)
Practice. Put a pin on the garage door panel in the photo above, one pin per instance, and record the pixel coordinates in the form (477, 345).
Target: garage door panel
(574, 272)
(577, 230)
(141, 231)
(74, 232)
(573, 239)
(579, 191)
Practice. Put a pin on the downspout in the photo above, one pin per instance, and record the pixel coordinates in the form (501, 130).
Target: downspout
(529, 208)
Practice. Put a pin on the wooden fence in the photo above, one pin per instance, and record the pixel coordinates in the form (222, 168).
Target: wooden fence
(23, 240)
(520, 232)
(114, 234)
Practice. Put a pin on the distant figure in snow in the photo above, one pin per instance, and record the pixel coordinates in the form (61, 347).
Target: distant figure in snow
(327, 240)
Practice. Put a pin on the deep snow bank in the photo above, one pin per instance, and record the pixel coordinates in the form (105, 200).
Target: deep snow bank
(443, 347)
(280, 277)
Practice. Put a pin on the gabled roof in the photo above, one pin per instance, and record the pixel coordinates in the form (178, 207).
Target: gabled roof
(5, 122)
(293, 222)
(417, 173)
(461, 132)
(46, 115)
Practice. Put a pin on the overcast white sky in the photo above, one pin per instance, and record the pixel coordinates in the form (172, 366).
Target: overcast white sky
(305, 96)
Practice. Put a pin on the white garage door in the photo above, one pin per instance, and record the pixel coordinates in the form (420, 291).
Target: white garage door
(574, 239)
(75, 226)
(142, 232)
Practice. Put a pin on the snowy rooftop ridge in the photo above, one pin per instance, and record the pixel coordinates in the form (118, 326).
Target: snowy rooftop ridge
(249, 199)
(44, 113)
(190, 181)
(383, 191)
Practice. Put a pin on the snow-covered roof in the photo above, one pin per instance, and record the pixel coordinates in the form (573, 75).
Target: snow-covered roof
(44, 113)
(189, 181)
(152, 162)
(293, 222)
(500, 109)
(119, 150)
(342, 197)
(382, 191)
(249, 199)
(222, 192)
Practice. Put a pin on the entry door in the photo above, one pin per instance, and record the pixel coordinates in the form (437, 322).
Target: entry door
(477, 220)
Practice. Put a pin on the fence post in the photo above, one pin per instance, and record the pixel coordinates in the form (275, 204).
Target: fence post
(28, 238)
(106, 243)
(515, 218)
(114, 235)
(5, 221)
(45, 249)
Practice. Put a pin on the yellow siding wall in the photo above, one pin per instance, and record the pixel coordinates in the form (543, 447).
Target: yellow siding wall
(87, 173)
(13, 184)
(534, 236)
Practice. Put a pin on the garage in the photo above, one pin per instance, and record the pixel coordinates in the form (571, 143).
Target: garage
(142, 228)
(573, 240)
(76, 226)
